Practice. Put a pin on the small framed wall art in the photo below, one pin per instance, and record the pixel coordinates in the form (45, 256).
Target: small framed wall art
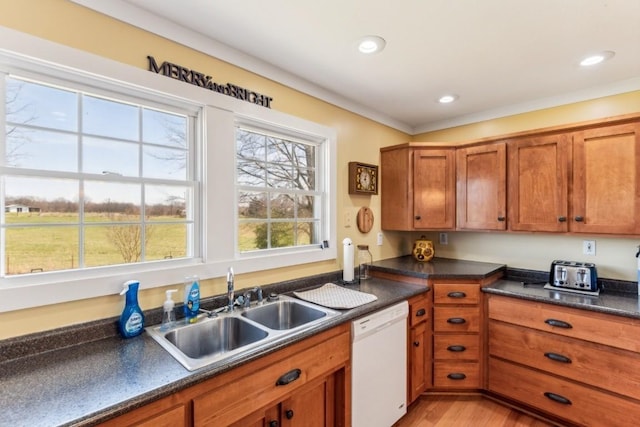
(363, 178)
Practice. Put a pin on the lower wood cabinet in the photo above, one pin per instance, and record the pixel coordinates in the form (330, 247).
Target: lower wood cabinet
(419, 347)
(582, 367)
(317, 392)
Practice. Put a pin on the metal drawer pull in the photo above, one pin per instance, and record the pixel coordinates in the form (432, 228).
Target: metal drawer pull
(456, 376)
(289, 377)
(289, 414)
(416, 343)
(557, 357)
(456, 320)
(557, 398)
(457, 295)
(273, 423)
(421, 312)
(456, 348)
(558, 323)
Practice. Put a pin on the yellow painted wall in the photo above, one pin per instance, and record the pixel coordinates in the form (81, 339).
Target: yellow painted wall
(359, 139)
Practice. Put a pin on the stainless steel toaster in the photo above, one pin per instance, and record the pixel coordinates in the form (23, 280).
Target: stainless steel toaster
(574, 275)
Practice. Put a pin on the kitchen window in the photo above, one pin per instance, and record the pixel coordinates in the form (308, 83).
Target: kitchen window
(278, 191)
(118, 174)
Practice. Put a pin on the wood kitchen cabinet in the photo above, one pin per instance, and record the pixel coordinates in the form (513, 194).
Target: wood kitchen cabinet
(481, 187)
(457, 355)
(419, 347)
(606, 180)
(418, 187)
(579, 366)
(583, 181)
(315, 394)
(538, 183)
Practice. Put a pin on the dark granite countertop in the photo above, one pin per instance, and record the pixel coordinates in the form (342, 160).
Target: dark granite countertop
(85, 384)
(609, 302)
(438, 268)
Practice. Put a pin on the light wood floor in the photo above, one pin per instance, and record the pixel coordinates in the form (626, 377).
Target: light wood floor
(464, 411)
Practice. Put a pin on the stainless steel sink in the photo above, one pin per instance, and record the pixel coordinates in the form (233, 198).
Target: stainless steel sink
(214, 336)
(237, 334)
(284, 314)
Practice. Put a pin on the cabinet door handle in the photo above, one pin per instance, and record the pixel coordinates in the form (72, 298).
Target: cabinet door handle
(456, 376)
(558, 323)
(416, 343)
(557, 357)
(289, 414)
(456, 348)
(421, 312)
(501, 218)
(456, 320)
(579, 218)
(562, 219)
(457, 294)
(273, 423)
(418, 217)
(557, 398)
(289, 377)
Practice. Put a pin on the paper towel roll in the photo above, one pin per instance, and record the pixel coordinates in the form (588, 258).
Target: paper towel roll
(347, 264)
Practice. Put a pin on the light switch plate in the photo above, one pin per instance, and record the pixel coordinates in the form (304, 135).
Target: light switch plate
(379, 241)
(444, 239)
(588, 247)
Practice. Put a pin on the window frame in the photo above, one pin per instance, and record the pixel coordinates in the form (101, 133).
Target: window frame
(25, 54)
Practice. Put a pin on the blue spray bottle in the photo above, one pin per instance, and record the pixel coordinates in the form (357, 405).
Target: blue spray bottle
(131, 321)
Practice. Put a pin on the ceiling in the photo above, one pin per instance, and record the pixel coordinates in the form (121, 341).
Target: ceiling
(500, 57)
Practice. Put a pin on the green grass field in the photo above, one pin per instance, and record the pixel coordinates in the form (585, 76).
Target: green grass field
(50, 248)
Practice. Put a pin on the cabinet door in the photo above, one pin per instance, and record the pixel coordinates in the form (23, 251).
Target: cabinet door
(538, 183)
(419, 361)
(481, 187)
(606, 190)
(309, 407)
(395, 189)
(434, 189)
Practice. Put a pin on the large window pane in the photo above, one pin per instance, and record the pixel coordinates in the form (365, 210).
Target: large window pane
(103, 156)
(39, 200)
(112, 244)
(37, 149)
(40, 249)
(113, 201)
(164, 163)
(33, 104)
(109, 118)
(163, 128)
(166, 241)
(166, 203)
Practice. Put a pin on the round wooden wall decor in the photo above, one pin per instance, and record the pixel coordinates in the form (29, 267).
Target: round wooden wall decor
(365, 219)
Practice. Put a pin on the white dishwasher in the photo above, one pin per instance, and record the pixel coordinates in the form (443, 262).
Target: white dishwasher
(379, 367)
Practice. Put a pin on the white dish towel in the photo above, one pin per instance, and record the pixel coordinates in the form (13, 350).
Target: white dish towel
(334, 296)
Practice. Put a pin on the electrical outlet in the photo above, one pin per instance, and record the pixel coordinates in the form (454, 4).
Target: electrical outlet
(347, 219)
(589, 247)
(379, 241)
(444, 239)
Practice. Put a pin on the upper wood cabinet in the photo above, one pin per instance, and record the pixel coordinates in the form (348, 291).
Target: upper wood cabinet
(417, 187)
(605, 186)
(481, 187)
(538, 183)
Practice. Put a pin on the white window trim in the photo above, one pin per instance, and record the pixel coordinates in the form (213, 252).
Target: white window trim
(220, 112)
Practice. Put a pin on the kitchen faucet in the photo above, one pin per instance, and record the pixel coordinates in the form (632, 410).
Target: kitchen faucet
(247, 296)
(230, 278)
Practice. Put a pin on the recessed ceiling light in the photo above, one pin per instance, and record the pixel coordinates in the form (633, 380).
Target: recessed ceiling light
(371, 44)
(597, 58)
(446, 99)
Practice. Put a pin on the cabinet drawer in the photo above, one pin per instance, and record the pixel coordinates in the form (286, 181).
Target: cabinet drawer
(227, 403)
(597, 365)
(583, 405)
(456, 375)
(456, 347)
(454, 293)
(456, 319)
(614, 331)
(419, 309)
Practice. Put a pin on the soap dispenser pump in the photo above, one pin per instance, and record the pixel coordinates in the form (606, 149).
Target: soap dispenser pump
(168, 314)
(131, 321)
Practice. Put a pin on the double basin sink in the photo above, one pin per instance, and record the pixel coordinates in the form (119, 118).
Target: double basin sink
(229, 335)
